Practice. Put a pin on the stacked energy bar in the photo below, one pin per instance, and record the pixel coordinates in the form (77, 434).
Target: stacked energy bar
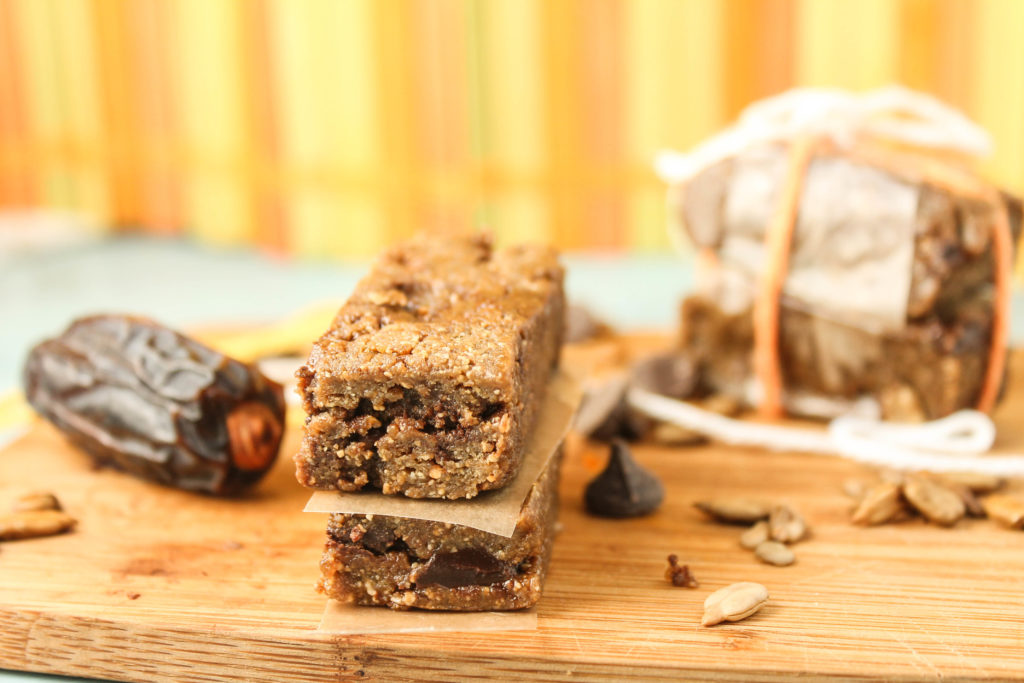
(428, 385)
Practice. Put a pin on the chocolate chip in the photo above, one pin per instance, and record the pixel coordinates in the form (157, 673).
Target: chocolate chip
(624, 488)
(466, 567)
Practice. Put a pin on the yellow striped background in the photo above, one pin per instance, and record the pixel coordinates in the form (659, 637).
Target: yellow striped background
(326, 128)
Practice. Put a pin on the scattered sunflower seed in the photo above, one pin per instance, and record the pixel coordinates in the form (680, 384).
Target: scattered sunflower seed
(624, 488)
(33, 523)
(773, 552)
(881, 504)
(734, 510)
(733, 603)
(972, 506)
(1006, 510)
(680, 575)
(977, 483)
(900, 403)
(668, 434)
(936, 502)
(892, 476)
(37, 500)
(755, 535)
(786, 524)
(722, 404)
(855, 488)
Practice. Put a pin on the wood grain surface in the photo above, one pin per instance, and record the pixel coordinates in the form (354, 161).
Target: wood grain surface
(160, 585)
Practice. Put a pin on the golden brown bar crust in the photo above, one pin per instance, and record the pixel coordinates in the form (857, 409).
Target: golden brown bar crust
(409, 563)
(428, 382)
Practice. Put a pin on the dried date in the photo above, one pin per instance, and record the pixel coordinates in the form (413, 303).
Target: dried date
(144, 399)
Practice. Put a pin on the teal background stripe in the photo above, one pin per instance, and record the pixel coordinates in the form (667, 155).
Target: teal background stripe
(184, 284)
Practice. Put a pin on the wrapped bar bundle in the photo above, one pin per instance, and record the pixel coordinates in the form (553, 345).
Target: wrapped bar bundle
(847, 251)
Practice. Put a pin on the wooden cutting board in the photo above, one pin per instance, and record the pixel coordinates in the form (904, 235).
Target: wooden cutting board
(157, 584)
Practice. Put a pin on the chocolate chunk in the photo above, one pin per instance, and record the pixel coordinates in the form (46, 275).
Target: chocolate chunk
(603, 410)
(670, 373)
(581, 325)
(624, 488)
(377, 539)
(466, 567)
(605, 415)
(680, 574)
(501, 573)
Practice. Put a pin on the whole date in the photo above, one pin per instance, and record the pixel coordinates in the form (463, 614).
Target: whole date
(147, 400)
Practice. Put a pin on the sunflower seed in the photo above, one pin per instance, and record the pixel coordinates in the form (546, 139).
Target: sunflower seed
(977, 483)
(900, 403)
(972, 506)
(773, 552)
(934, 501)
(32, 523)
(1006, 510)
(722, 404)
(37, 500)
(892, 476)
(881, 504)
(855, 488)
(755, 535)
(668, 434)
(734, 603)
(734, 510)
(787, 525)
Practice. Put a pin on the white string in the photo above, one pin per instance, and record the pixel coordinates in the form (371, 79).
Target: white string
(892, 113)
(953, 444)
(966, 432)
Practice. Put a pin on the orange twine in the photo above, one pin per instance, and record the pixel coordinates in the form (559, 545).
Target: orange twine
(1002, 249)
(779, 237)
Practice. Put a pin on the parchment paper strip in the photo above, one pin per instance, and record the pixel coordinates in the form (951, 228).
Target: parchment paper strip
(353, 619)
(495, 512)
(853, 245)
